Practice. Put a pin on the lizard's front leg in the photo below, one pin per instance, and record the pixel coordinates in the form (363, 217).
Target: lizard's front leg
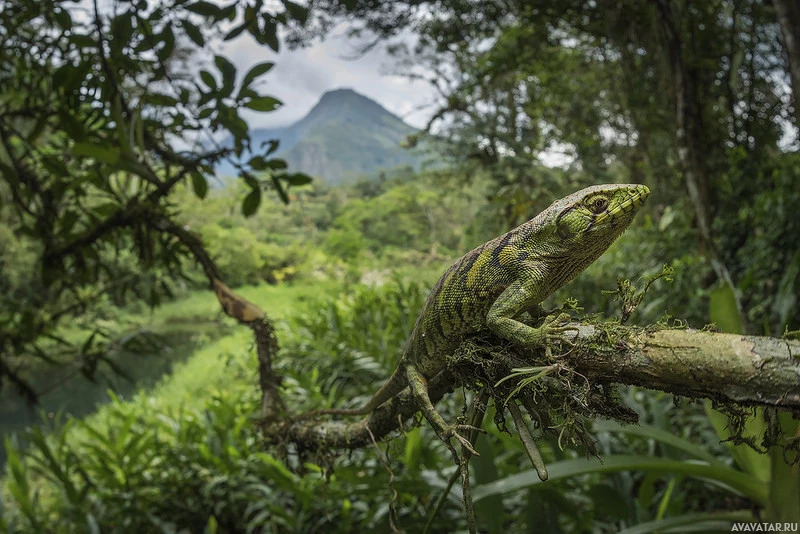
(419, 390)
(515, 299)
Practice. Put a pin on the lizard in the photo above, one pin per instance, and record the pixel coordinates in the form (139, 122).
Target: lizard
(495, 283)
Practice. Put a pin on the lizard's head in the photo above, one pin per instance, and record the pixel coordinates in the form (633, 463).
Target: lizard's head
(587, 222)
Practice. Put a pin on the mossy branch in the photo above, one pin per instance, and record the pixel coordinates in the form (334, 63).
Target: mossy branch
(732, 370)
(727, 368)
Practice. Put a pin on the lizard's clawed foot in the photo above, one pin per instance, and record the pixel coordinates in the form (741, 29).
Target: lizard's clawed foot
(552, 332)
(419, 389)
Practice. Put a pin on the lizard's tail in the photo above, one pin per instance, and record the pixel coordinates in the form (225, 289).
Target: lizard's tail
(396, 383)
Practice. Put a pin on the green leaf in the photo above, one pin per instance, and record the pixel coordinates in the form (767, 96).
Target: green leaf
(735, 481)
(279, 188)
(277, 164)
(297, 11)
(785, 479)
(264, 103)
(200, 185)
(270, 33)
(207, 9)
(122, 30)
(82, 41)
(194, 33)
(273, 146)
(63, 18)
(251, 202)
(231, 120)
(168, 38)
(258, 163)
(100, 153)
(228, 12)
(208, 79)
(490, 510)
(19, 484)
(657, 434)
(8, 173)
(67, 221)
(235, 32)
(250, 180)
(227, 69)
(412, 455)
(72, 126)
(608, 503)
(297, 178)
(786, 297)
(55, 165)
(749, 460)
(647, 489)
(723, 311)
(543, 510)
(158, 99)
(211, 525)
(255, 72)
(70, 77)
(706, 521)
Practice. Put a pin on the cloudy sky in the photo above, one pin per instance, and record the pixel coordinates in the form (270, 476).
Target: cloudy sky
(300, 77)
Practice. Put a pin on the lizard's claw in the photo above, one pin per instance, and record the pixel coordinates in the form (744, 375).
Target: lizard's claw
(553, 333)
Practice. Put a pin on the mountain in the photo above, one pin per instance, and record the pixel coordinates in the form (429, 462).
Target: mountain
(345, 135)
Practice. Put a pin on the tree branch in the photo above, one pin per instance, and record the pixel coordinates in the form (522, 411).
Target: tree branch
(240, 309)
(733, 370)
(729, 368)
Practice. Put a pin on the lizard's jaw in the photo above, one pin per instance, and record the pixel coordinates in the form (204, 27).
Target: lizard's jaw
(596, 216)
(632, 198)
(606, 227)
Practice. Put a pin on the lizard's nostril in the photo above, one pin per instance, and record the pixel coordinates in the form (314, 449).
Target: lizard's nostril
(642, 190)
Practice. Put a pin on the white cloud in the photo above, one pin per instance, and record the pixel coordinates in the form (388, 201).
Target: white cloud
(300, 77)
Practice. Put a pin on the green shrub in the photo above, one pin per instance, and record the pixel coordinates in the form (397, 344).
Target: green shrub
(243, 259)
(352, 339)
(163, 472)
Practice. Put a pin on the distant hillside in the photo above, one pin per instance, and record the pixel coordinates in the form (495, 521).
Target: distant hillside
(344, 136)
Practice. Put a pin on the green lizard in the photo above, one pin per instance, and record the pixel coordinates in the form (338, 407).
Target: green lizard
(492, 285)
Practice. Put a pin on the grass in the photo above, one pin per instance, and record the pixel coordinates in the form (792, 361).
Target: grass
(197, 350)
(229, 358)
(277, 301)
(197, 419)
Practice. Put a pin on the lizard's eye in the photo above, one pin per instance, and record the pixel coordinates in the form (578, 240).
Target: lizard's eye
(598, 205)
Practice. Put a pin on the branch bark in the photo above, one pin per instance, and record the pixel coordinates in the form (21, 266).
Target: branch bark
(731, 369)
(239, 308)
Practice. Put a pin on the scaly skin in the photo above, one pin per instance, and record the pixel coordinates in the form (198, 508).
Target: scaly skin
(492, 285)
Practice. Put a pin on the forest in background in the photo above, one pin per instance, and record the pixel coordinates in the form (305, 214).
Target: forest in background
(110, 237)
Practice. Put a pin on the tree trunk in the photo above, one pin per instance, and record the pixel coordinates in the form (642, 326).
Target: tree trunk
(688, 128)
(788, 14)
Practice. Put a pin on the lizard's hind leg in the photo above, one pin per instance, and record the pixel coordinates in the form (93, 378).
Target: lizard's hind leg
(419, 390)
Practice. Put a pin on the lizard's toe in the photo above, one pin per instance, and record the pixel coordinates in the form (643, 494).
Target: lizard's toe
(563, 318)
(565, 340)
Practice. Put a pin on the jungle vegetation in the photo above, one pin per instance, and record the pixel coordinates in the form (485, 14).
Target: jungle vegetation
(131, 402)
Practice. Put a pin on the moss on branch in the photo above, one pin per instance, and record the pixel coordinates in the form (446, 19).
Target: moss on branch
(561, 391)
